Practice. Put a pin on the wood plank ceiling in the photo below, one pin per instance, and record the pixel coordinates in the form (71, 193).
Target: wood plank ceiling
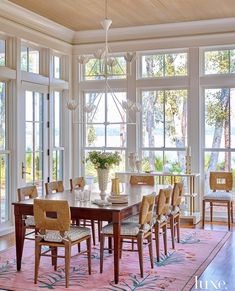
(87, 14)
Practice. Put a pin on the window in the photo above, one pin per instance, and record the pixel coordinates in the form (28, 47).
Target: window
(219, 61)
(4, 157)
(164, 129)
(29, 59)
(57, 158)
(105, 125)
(219, 130)
(2, 52)
(94, 69)
(56, 67)
(164, 65)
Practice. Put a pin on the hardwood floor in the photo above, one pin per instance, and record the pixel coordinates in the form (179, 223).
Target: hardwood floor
(220, 271)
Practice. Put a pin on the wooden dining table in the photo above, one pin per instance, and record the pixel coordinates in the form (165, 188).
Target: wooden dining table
(114, 213)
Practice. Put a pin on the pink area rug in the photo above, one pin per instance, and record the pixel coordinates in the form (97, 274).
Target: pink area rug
(175, 272)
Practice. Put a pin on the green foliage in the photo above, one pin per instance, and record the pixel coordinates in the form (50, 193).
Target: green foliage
(103, 160)
(91, 135)
(158, 164)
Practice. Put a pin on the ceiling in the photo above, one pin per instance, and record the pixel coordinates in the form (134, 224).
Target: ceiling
(86, 14)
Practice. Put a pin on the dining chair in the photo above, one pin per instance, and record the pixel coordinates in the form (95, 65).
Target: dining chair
(54, 187)
(24, 193)
(221, 184)
(174, 213)
(142, 180)
(136, 231)
(78, 183)
(55, 231)
(160, 220)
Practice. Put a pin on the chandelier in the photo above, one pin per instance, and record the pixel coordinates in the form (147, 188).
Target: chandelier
(106, 64)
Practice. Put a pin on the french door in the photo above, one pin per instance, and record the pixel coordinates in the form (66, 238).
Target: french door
(34, 166)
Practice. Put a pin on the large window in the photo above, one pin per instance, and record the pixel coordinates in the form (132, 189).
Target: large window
(58, 150)
(105, 124)
(164, 65)
(30, 59)
(2, 52)
(164, 129)
(4, 213)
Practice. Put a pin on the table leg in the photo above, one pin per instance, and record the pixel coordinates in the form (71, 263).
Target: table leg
(19, 237)
(116, 236)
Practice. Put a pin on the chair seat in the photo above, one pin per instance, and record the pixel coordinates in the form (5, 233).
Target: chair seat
(75, 233)
(29, 220)
(127, 228)
(218, 195)
(133, 218)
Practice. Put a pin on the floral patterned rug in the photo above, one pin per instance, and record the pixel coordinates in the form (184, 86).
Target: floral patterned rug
(175, 272)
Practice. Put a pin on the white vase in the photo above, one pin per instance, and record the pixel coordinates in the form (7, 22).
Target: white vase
(132, 160)
(103, 175)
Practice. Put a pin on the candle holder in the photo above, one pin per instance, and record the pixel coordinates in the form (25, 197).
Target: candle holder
(188, 169)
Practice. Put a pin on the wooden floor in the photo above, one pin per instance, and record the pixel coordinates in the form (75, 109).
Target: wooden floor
(222, 268)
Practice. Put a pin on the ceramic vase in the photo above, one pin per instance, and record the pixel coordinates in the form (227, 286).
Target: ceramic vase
(132, 160)
(103, 175)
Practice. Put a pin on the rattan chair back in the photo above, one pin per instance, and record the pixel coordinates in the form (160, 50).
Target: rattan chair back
(60, 215)
(28, 192)
(177, 194)
(78, 182)
(163, 201)
(221, 181)
(146, 209)
(54, 187)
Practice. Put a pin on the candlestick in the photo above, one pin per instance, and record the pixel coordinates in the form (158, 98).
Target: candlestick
(188, 164)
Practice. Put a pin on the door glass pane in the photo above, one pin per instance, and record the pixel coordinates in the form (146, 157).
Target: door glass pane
(4, 215)
(29, 137)
(29, 168)
(2, 116)
(2, 52)
(38, 166)
(57, 118)
(29, 106)
(38, 136)
(38, 108)
(232, 116)
(57, 161)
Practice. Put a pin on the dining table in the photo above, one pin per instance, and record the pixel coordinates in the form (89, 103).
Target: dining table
(113, 213)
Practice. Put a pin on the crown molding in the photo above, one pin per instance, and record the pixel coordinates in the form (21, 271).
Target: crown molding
(203, 27)
(22, 16)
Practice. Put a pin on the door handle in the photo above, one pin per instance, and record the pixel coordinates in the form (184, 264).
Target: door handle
(23, 171)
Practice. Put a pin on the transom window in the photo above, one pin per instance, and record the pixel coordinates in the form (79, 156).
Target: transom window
(164, 65)
(57, 67)
(30, 59)
(2, 52)
(95, 69)
(219, 61)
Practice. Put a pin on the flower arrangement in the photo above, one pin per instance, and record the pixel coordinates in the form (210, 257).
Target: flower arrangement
(103, 160)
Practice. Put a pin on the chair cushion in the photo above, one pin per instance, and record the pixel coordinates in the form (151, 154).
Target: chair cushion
(162, 219)
(29, 220)
(175, 211)
(75, 233)
(218, 195)
(127, 228)
(133, 218)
